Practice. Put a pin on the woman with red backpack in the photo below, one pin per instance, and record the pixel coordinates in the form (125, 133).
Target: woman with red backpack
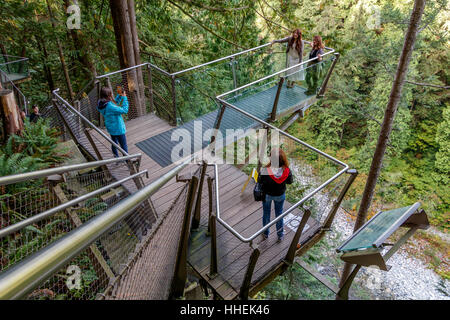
(273, 179)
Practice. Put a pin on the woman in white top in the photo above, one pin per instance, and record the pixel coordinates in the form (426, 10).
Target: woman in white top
(294, 54)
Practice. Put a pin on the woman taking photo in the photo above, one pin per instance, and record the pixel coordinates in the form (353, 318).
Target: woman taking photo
(113, 116)
(294, 54)
(313, 72)
(273, 179)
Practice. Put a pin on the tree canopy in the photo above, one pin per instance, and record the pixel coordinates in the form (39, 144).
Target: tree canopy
(176, 34)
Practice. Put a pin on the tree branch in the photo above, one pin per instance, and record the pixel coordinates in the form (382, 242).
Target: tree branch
(202, 6)
(389, 71)
(205, 27)
(427, 85)
(279, 25)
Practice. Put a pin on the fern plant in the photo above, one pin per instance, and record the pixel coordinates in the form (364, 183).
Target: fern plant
(39, 140)
(13, 163)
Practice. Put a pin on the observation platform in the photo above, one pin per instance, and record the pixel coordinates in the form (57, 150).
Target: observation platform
(238, 209)
(259, 104)
(201, 219)
(244, 214)
(14, 69)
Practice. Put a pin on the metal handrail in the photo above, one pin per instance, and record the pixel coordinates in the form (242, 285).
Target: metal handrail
(232, 56)
(5, 75)
(174, 74)
(50, 212)
(122, 70)
(15, 178)
(93, 126)
(260, 231)
(23, 277)
(274, 74)
(14, 61)
(221, 59)
(307, 197)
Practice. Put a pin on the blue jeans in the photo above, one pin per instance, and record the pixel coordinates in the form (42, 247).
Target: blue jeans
(120, 140)
(267, 204)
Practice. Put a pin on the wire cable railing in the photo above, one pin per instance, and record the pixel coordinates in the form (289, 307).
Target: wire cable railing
(22, 278)
(16, 68)
(7, 83)
(153, 89)
(46, 259)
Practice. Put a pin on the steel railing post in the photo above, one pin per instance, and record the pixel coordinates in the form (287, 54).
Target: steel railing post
(330, 217)
(150, 87)
(245, 287)
(180, 273)
(293, 247)
(210, 202)
(233, 69)
(273, 115)
(217, 124)
(323, 87)
(174, 101)
(213, 266)
(198, 205)
(99, 116)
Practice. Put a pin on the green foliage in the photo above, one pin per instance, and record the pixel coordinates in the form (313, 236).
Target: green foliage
(35, 149)
(349, 117)
(442, 163)
(39, 140)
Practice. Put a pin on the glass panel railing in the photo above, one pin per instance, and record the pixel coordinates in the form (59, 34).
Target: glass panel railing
(270, 94)
(196, 89)
(242, 141)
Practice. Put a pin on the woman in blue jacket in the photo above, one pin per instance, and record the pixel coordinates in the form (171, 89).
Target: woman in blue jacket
(112, 110)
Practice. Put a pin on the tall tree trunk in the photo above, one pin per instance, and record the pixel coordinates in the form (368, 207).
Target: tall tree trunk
(48, 72)
(10, 114)
(137, 54)
(389, 115)
(125, 49)
(42, 47)
(61, 55)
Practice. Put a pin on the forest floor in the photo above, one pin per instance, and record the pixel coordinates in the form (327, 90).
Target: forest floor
(419, 268)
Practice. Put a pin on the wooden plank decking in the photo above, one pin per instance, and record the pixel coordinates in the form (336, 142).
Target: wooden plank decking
(241, 212)
(159, 146)
(238, 209)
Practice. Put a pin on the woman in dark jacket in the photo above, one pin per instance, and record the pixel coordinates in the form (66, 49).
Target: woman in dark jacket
(312, 73)
(274, 178)
(294, 55)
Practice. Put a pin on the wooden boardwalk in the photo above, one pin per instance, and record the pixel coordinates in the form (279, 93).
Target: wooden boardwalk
(260, 104)
(244, 214)
(238, 209)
